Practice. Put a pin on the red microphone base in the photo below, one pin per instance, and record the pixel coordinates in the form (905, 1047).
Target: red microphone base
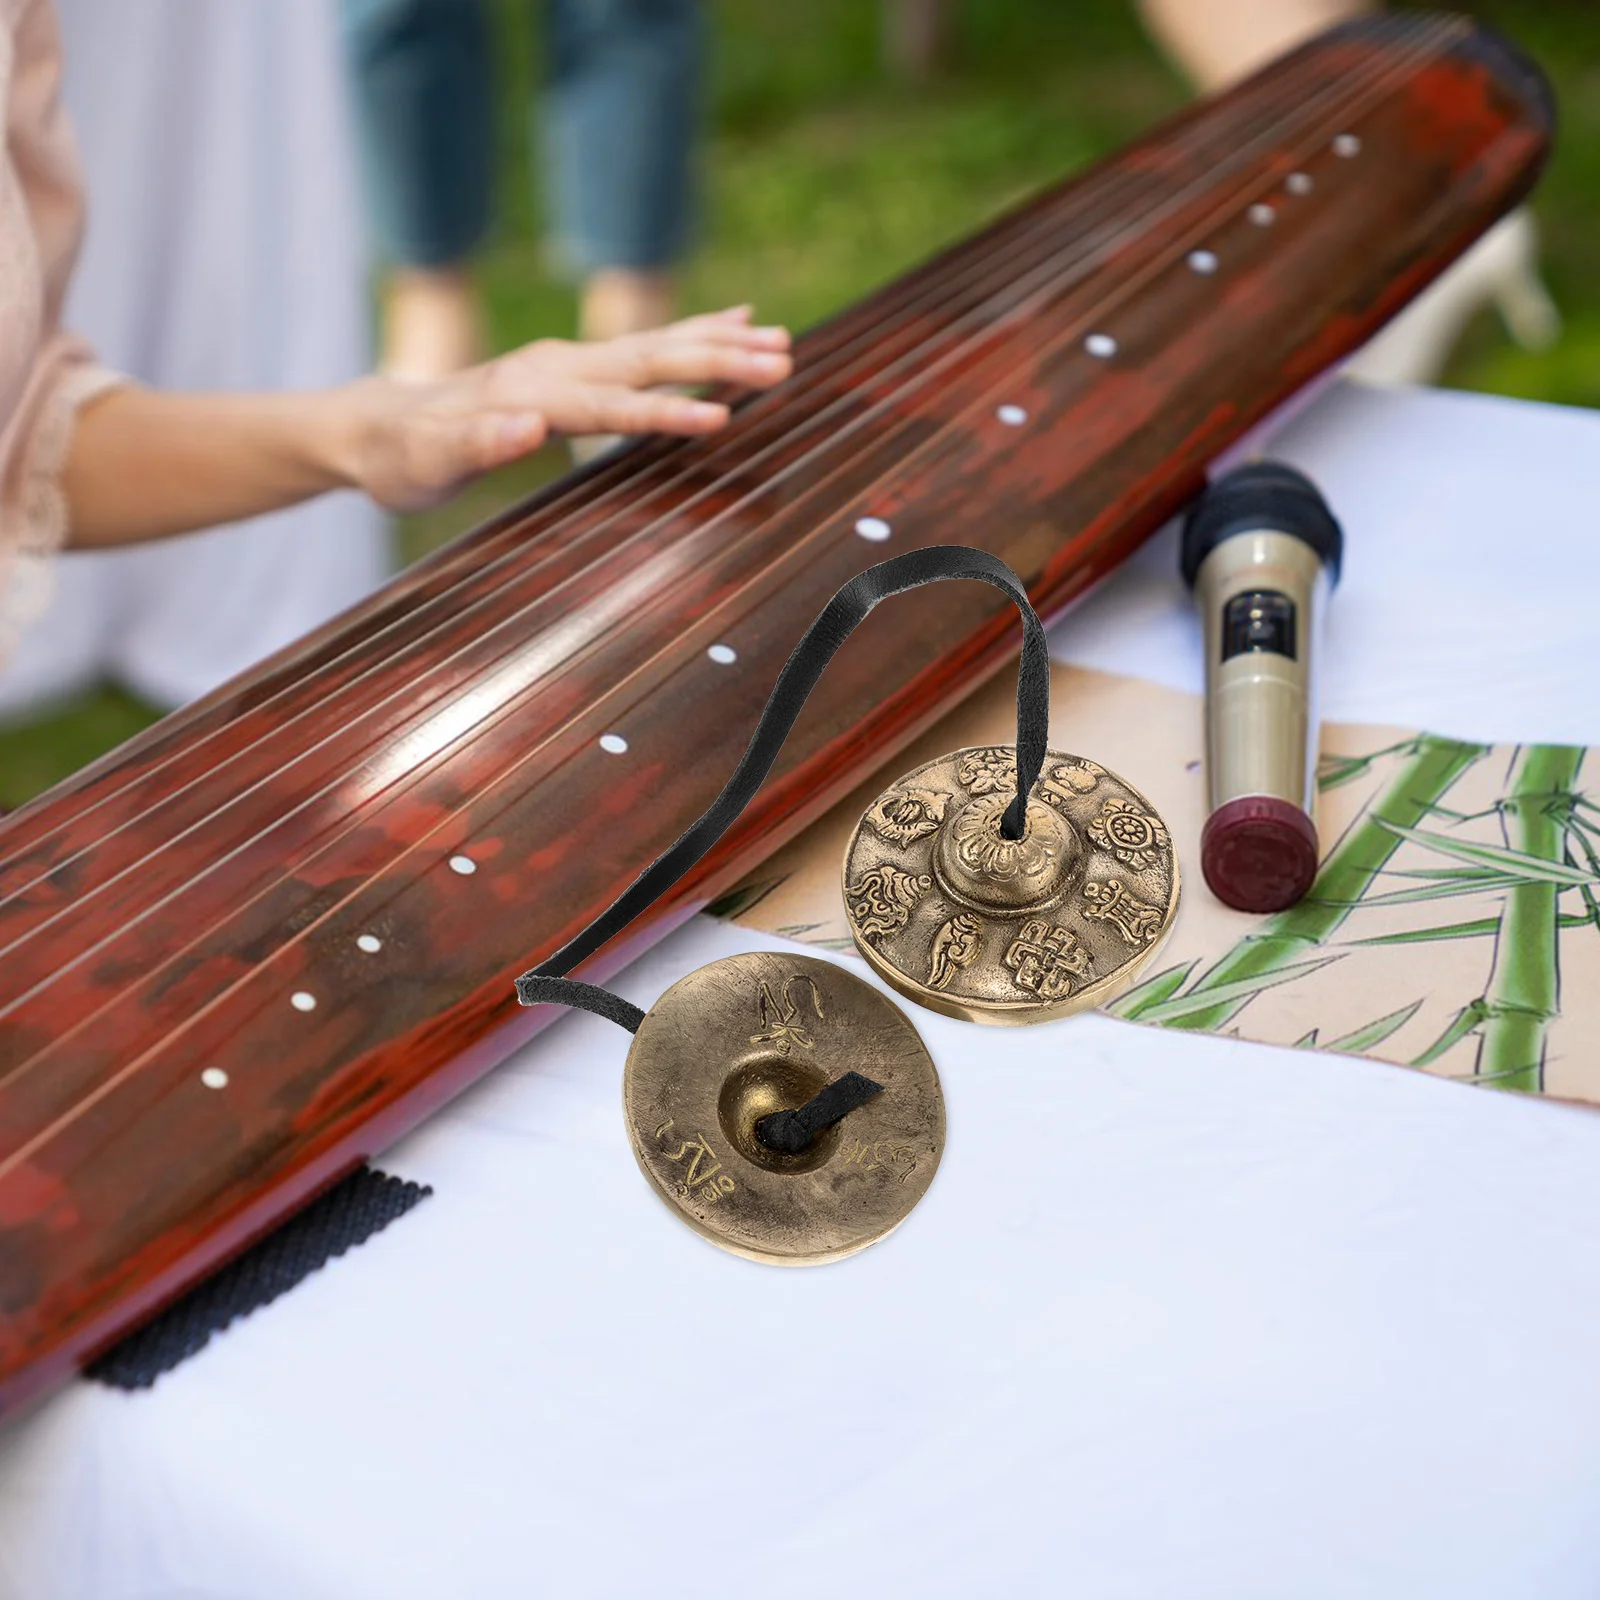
(1258, 853)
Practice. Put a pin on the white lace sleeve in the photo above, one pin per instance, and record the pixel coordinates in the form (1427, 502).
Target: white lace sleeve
(33, 511)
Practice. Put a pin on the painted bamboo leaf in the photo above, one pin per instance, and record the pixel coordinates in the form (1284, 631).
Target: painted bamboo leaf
(1462, 930)
(1522, 863)
(1233, 994)
(1579, 832)
(1464, 1022)
(741, 898)
(1478, 883)
(801, 933)
(1436, 874)
(1450, 814)
(1360, 1040)
(1152, 991)
(1336, 771)
(1493, 1080)
(1455, 930)
(1332, 771)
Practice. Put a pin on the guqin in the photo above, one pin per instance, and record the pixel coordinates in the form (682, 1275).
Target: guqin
(319, 881)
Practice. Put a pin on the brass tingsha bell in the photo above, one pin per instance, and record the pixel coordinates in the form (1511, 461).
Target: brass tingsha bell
(735, 1048)
(965, 921)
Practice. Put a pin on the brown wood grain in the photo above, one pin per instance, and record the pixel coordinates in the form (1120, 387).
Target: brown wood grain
(159, 911)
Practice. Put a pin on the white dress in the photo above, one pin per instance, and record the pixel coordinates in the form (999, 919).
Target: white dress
(225, 249)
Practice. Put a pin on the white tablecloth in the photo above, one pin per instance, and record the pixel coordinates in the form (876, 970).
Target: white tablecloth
(1179, 1317)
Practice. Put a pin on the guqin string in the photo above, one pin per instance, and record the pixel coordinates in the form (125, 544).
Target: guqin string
(821, 376)
(843, 614)
(793, 1129)
(1332, 107)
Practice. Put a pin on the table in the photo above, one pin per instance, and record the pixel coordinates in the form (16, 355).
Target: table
(1245, 1322)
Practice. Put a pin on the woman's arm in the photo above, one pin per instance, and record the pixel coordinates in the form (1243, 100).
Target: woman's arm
(143, 464)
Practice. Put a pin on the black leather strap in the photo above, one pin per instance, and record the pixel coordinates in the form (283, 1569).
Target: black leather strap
(836, 622)
(532, 990)
(791, 1132)
(368, 1200)
(794, 1130)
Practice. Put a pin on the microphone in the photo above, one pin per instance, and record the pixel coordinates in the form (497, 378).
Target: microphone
(1261, 551)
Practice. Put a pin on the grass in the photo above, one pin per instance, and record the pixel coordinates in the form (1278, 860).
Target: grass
(823, 178)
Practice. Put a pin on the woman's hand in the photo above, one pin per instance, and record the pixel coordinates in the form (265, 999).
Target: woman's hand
(410, 446)
(142, 464)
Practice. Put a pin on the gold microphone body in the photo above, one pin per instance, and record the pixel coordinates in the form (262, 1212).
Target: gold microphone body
(1261, 551)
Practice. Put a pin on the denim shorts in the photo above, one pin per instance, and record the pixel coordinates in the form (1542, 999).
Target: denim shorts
(618, 113)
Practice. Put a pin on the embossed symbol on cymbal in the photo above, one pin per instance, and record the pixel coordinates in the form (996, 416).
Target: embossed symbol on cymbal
(697, 1151)
(780, 1014)
(1071, 778)
(1046, 958)
(988, 771)
(1110, 902)
(1134, 836)
(955, 946)
(1010, 930)
(907, 814)
(881, 899)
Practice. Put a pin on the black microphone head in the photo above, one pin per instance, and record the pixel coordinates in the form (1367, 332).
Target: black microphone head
(1261, 494)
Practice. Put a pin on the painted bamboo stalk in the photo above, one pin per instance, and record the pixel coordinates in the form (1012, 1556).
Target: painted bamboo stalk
(1347, 874)
(1523, 995)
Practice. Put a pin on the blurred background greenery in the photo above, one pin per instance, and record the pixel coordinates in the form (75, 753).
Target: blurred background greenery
(826, 173)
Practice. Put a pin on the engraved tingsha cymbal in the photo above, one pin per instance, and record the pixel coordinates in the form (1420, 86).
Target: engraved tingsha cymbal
(967, 922)
(751, 1035)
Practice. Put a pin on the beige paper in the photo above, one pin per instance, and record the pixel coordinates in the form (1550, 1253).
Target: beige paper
(1455, 924)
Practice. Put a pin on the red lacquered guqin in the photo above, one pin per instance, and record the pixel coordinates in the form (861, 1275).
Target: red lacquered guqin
(262, 940)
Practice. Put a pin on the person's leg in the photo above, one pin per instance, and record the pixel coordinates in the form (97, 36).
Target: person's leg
(619, 300)
(423, 88)
(1216, 41)
(620, 117)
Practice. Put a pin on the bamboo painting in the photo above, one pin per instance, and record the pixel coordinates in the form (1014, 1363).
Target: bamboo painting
(1281, 948)
(1521, 999)
(1545, 832)
(1454, 927)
